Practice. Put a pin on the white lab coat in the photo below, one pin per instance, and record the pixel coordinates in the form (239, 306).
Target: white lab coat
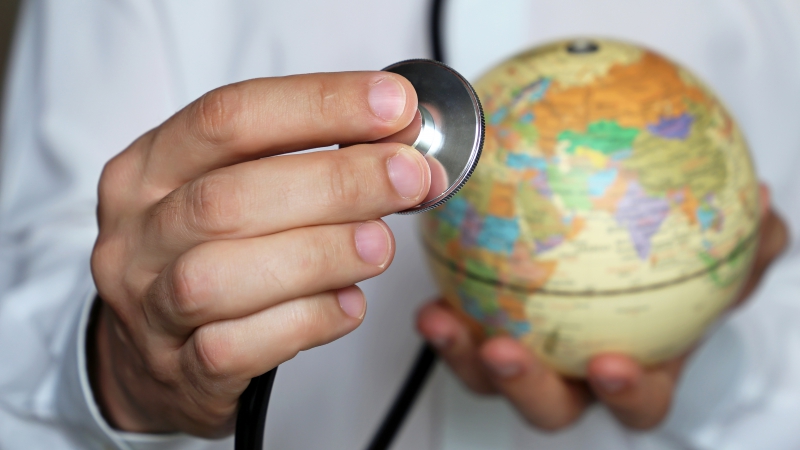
(88, 77)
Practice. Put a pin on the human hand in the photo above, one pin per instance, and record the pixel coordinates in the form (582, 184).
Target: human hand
(639, 397)
(214, 266)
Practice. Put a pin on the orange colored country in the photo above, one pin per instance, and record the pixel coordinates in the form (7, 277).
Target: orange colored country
(532, 273)
(634, 95)
(689, 205)
(501, 203)
(613, 195)
(513, 306)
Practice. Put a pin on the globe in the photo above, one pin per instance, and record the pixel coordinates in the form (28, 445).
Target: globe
(614, 209)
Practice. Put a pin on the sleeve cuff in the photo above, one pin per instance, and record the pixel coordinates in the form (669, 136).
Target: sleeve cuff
(77, 405)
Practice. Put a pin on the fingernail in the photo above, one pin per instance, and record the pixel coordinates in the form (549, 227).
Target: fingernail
(387, 99)
(505, 369)
(405, 173)
(352, 302)
(610, 385)
(372, 243)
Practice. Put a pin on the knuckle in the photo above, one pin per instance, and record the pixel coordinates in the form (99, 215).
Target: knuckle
(217, 114)
(165, 214)
(323, 102)
(162, 368)
(105, 263)
(109, 177)
(189, 282)
(310, 325)
(214, 204)
(347, 186)
(112, 187)
(213, 352)
(102, 256)
(328, 251)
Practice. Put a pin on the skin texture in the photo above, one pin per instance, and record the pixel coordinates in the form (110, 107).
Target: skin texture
(215, 264)
(639, 397)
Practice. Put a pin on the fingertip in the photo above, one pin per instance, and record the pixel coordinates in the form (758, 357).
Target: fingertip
(352, 302)
(411, 99)
(503, 347)
(506, 358)
(613, 363)
(436, 326)
(425, 315)
(545, 399)
(612, 374)
(765, 199)
(374, 243)
(392, 99)
(409, 174)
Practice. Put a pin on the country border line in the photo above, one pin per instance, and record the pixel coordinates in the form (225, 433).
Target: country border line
(745, 243)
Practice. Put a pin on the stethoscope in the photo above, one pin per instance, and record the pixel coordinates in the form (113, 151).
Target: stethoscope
(253, 403)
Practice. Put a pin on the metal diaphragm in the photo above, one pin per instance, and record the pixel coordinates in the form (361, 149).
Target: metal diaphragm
(451, 127)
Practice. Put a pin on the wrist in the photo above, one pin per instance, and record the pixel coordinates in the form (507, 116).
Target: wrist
(107, 369)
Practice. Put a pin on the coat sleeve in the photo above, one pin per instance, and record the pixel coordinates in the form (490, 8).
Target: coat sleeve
(86, 78)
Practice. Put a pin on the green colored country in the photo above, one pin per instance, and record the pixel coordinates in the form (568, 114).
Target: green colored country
(724, 273)
(484, 293)
(478, 189)
(605, 136)
(540, 215)
(446, 232)
(527, 132)
(480, 269)
(664, 165)
(572, 187)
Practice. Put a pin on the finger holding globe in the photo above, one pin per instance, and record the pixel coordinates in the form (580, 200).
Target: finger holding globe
(614, 216)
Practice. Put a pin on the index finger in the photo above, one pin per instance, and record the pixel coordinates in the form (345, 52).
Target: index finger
(638, 397)
(269, 116)
(543, 397)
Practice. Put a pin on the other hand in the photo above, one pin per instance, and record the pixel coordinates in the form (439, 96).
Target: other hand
(639, 397)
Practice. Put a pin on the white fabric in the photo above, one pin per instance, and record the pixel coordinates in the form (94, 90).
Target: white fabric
(89, 76)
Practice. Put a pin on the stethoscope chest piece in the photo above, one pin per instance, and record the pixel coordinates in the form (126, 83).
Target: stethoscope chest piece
(451, 127)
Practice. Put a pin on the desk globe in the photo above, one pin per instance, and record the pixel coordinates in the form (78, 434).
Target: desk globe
(614, 209)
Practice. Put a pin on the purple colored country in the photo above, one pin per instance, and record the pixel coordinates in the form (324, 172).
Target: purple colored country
(642, 216)
(673, 128)
(470, 227)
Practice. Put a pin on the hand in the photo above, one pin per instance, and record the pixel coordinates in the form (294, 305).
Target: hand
(214, 266)
(638, 397)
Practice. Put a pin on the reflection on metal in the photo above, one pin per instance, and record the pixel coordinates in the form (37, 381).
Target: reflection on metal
(430, 140)
(582, 46)
(452, 127)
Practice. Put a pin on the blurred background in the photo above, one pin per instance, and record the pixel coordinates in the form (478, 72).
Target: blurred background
(8, 12)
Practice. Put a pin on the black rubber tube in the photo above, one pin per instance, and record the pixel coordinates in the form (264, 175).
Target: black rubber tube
(426, 359)
(436, 30)
(252, 417)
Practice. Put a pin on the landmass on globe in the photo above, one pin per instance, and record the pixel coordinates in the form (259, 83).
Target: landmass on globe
(614, 209)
